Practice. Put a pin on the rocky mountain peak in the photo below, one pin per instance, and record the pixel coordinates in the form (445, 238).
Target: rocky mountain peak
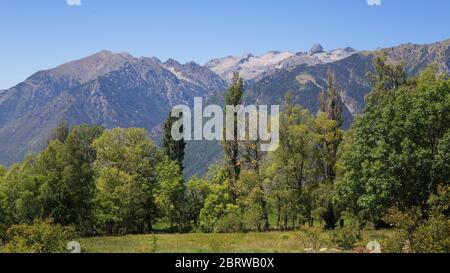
(172, 63)
(316, 49)
(350, 50)
(90, 67)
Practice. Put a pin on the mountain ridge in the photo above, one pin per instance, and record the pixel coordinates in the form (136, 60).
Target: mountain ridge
(254, 68)
(104, 88)
(117, 89)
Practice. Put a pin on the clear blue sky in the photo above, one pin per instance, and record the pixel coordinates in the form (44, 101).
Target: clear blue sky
(41, 34)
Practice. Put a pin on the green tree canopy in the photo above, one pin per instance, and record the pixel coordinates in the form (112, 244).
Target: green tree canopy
(170, 195)
(400, 150)
(126, 162)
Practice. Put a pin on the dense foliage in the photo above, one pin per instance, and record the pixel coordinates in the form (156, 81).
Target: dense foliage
(392, 167)
(424, 233)
(399, 151)
(39, 237)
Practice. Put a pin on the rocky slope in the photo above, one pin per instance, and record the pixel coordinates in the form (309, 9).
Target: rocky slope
(306, 80)
(254, 68)
(121, 90)
(105, 88)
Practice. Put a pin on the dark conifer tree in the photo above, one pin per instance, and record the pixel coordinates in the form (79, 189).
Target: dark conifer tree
(175, 150)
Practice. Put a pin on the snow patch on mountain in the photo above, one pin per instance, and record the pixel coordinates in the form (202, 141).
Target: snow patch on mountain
(253, 67)
(177, 73)
(249, 66)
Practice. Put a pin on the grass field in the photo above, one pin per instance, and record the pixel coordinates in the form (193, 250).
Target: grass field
(273, 242)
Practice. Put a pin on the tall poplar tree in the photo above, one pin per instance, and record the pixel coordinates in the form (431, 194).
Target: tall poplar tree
(231, 147)
(174, 149)
(329, 125)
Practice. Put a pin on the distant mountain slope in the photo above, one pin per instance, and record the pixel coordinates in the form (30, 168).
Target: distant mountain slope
(249, 66)
(306, 81)
(108, 89)
(418, 57)
(253, 68)
(121, 90)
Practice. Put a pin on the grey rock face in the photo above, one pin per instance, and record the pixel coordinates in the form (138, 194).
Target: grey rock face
(105, 88)
(316, 49)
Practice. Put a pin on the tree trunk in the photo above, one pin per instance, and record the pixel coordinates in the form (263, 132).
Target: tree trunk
(265, 215)
(285, 221)
(149, 224)
(330, 219)
(279, 214)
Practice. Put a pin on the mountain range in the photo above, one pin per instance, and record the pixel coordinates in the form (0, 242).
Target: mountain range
(119, 90)
(254, 68)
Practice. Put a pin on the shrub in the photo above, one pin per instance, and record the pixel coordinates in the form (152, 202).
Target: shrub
(395, 243)
(347, 237)
(432, 237)
(310, 237)
(425, 233)
(40, 237)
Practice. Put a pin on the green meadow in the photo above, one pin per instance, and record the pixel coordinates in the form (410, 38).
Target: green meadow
(307, 240)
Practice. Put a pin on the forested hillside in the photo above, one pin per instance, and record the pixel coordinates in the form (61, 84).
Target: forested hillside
(119, 90)
(389, 169)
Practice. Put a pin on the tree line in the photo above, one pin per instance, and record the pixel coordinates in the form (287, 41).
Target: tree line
(396, 156)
